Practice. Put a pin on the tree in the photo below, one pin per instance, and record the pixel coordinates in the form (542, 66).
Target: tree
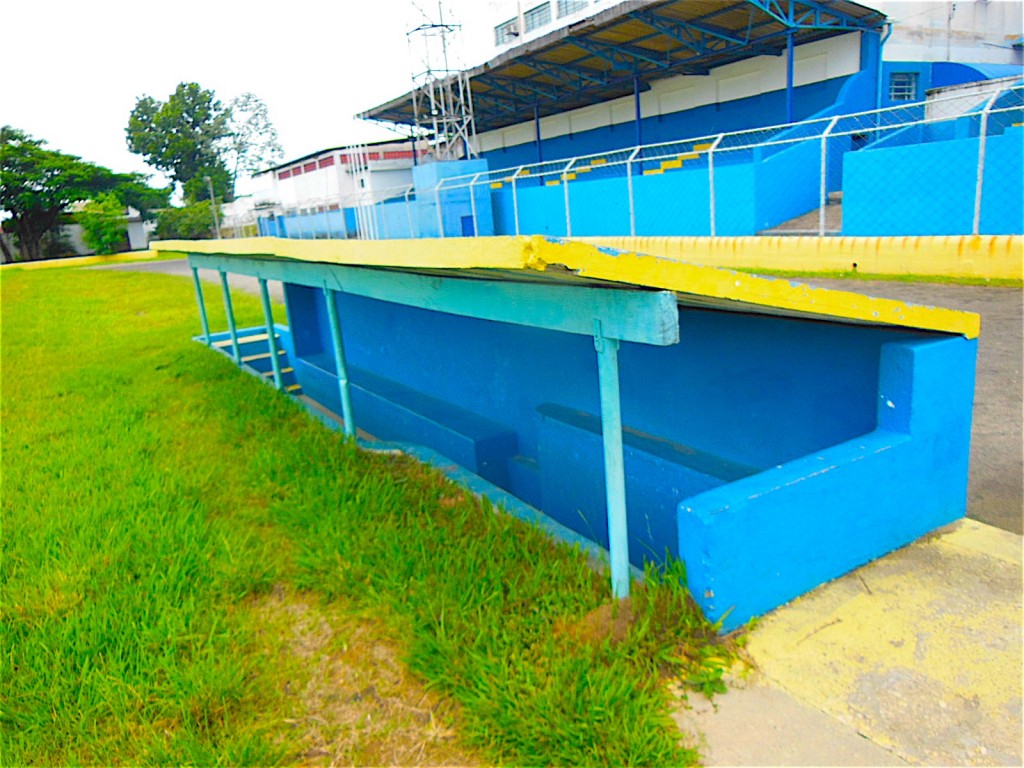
(192, 136)
(185, 137)
(37, 185)
(254, 144)
(103, 222)
(190, 222)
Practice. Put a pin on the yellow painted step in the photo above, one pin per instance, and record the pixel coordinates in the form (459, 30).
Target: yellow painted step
(569, 176)
(584, 169)
(654, 171)
(496, 185)
(598, 161)
(260, 356)
(241, 340)
(270, 374)
(552, 183)
(701, 147)
(669, 164)
(292, 387)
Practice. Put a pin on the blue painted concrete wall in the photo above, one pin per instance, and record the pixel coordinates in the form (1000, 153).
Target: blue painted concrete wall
(768, 538)
(456, 206)
(938, 197)
(772, 454)
(764, 109)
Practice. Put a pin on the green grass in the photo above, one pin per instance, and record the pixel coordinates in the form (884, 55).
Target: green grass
(153, 495)
(992, 282)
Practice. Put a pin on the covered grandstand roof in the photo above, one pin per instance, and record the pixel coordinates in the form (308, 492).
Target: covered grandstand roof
(599, 58)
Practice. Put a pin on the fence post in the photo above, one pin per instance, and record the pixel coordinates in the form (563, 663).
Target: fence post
(824, 176)
(711, 179)
(472, 203)
(629, 187)
(382, 218)
(515, 197)
(408, 212)
(980, 183)
(565, 193)
(437, 200)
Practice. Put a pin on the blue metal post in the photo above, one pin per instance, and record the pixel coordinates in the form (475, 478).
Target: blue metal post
(339, 362)
(636, 110)
(230, 312)
(536, 134)
(614, 468)
(202, 306)
(268, 316)
(789, 76)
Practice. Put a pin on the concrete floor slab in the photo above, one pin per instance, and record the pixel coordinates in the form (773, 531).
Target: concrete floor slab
(758, 724)
(920, 651)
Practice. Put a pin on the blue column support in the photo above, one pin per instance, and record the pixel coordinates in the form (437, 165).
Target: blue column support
(268, 317)
(536, 134)
(789, 76)
(202, 306)
(636, 110)
(340, 365)
(614, 465)
(230, 312)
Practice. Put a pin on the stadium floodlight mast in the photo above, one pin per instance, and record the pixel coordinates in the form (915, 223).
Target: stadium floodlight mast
(442, 101)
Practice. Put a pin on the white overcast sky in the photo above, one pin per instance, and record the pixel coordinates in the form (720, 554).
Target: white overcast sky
(73, 70)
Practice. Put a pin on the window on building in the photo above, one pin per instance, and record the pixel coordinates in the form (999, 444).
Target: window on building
(565, 7)
(506, 32)
(903, 86)
(537, 17)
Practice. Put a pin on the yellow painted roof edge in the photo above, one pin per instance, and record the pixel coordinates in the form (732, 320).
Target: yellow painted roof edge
(716, 282)
(630, 268)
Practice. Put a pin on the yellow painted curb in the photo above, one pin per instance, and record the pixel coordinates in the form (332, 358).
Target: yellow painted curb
(977, 256)
(84, 261)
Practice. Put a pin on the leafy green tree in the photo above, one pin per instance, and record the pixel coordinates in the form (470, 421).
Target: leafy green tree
(104, 225)
(190, 222)
(135, 193)
(253, 138)
(184, 137)
(38, 184)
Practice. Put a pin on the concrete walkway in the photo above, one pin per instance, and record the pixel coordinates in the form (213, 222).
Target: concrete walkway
(912, 659)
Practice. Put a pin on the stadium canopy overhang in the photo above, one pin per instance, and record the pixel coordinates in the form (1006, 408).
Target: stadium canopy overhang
(620, 50)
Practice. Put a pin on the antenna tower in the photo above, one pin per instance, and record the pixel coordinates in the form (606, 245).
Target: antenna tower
(441, 99)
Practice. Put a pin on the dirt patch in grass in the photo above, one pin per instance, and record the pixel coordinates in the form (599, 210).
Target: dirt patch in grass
(353, 702)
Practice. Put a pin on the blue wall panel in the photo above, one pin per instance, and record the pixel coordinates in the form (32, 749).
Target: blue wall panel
(928, 189)
(1002, 196)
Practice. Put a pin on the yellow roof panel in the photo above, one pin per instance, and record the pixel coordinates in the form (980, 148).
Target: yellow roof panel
(694, 284)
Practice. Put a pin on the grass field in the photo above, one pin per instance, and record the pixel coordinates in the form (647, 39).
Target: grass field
(194, 571)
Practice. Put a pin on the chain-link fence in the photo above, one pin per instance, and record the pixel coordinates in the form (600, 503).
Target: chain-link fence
(951, 165)
(376, 214)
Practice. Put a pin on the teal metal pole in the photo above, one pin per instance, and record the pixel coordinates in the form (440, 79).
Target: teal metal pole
(339, 362)
(614, 466)
(202, 306)
(268, 316)
(230, 312)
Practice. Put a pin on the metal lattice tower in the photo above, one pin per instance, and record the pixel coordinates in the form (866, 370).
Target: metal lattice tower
(442, 100)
